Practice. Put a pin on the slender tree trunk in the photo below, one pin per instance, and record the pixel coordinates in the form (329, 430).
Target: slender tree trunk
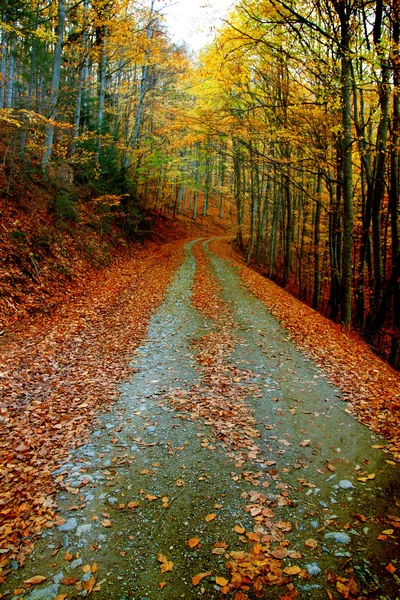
(347, 169)
(317, 237)
(394, 189)
(55, 85)
(143, 85)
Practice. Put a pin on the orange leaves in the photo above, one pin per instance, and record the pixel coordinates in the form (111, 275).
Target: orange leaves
(69, 580)
(199, 577)
(166, 565)
(293, 570)
(77, 346)
(193, 542)
(239, 529)
(150, 497)
(390, 568)
(210, 517)
(311, 543)
(106, 523)
(35, 580)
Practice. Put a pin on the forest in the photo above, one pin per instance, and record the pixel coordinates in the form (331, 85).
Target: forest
(288, 120)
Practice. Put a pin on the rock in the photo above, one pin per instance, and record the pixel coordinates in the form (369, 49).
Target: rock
(150, 429)
(313, 569)
(82, 529)
(89, 452)
(76, 563)
(338, 537)
(50, 591)
(345, 484)
(69, 525)
(57, 578)
(112, 500)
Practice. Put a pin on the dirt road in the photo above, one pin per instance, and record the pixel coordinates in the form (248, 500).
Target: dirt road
(228, 468)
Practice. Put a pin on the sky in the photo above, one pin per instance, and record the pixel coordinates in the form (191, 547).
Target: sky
(192, 21)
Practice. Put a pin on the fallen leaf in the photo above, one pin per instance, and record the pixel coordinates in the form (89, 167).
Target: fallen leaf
(35, 580)
(166, 565)
(311, 543)
(193, 542)
(106, 523)
(86, 568)
(60, 597)
(279, 552)
(360, 517)
(89, 585)
(199, 577)
(180, 483)
(162, 585)
(390, 568)
(150, 497)
(221, 581)
(294, 570)
(210, 517)
(305, 443)
(239, 529)
(95, 567)
(69, 580)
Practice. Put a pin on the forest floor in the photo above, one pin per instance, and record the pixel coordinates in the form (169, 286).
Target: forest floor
(203, 451)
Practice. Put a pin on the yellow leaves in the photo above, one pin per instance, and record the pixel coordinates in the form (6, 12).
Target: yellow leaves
(166, 565)
(134, 504)
(367, 477)
(150, 497)
(199, 577)
(221, 581)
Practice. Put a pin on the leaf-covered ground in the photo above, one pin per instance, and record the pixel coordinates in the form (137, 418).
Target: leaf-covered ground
(369, 385)
(57, 373)
(227, 468)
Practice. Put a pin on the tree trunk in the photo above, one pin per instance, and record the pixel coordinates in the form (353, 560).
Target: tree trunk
(347, 170)
(55, 85)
